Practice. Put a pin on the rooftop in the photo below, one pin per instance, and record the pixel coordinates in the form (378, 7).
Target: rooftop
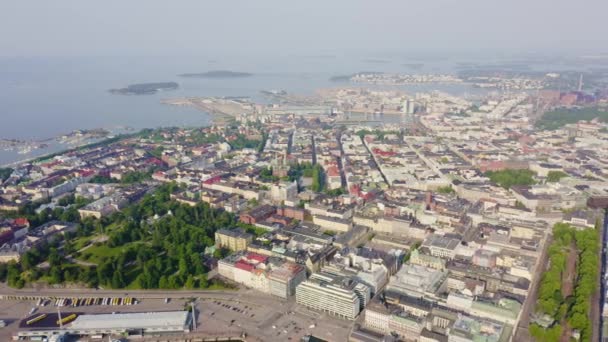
(143, 320)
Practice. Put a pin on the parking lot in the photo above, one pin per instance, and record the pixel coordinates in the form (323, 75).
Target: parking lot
(261, 317)
(280, 321)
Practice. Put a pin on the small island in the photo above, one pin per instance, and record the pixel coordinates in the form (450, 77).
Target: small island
(348, 78)
(218, 74)
(145, 88)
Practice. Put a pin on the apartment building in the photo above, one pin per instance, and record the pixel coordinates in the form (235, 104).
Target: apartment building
(265, 274)
(233, 239)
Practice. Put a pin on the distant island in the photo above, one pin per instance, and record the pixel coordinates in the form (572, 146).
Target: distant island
(217, 74)
(348, 78)
(145, 88)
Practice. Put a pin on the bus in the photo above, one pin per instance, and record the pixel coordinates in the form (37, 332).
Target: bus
(36, 319)
(67, 319)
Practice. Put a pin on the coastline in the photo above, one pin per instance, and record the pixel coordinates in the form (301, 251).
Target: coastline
(67, 150)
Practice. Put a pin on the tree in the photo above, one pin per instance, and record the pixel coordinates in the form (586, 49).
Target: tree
(117, 279)
(3, 272)
(163, 283)
(56, 275)
(175, 281)
(13, 274)
(555, 176)
(509, 177)
(318, 180)
(190, 283)
(203, 282)
(28, 260)
(546, 335)
(5, 173)
(98, 179)
(54, 257)
(445, 189)
(183, 266)
(161, 254)
(221, 253)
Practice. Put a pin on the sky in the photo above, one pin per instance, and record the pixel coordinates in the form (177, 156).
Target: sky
(309, 27)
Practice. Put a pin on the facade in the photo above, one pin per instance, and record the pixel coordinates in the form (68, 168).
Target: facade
(262, 273)
(332, 223)
(441, 246)
(233, 239)
(284, 279)
(389, 319)
(417, 258)
(283, 191)
(257, 214)
(103, 207)
(339, 296)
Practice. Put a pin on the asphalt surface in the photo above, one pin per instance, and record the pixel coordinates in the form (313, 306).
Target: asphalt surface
(218, 313)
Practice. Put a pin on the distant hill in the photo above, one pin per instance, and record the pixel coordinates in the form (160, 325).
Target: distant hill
(217, 74)
(145, 88)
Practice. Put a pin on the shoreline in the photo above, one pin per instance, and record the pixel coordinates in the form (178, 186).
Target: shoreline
(67, 150)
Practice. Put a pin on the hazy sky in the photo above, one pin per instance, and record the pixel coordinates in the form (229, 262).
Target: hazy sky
(374, 27)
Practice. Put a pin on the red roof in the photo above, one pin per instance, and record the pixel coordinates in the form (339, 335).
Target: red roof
(154, 161)
(244, 265)
(383, 153)
(333, 171)
(22, 221)
(212, 180)
(257, 257)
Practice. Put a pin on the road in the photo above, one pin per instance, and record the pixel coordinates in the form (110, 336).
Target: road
(143, 294)
(430, 164)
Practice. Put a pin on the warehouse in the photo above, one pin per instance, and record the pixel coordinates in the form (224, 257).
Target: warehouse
(120, 323)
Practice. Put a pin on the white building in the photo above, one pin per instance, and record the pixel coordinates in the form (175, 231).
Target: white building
(337, 295)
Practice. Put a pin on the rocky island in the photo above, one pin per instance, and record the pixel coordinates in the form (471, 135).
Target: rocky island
(145, 88)
(217, 74)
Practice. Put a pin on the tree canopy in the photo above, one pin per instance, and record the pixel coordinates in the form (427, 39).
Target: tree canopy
(509, 177)
(555, 176)
(155, 243)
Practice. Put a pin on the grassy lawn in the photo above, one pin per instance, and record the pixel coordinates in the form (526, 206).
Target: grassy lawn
(96, 254)
(81, 242)
(112, 226)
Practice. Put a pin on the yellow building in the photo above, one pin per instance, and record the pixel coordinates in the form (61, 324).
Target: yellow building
(233, 239)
